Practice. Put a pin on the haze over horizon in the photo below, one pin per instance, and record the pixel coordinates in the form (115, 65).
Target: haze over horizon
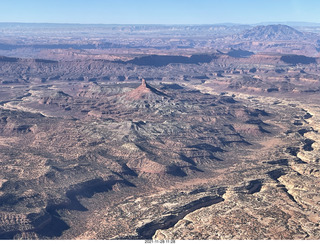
(159, 12)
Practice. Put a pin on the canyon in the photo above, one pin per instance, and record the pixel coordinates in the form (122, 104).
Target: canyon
(159, 132)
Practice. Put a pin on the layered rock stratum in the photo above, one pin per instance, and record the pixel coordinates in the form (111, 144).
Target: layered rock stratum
(162, 143)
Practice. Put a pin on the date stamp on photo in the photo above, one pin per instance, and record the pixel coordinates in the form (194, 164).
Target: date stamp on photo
(160, 241)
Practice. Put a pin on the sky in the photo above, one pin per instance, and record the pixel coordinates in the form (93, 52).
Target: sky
(159, 11)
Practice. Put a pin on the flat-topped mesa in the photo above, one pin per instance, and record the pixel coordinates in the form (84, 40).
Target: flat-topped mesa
(145, 92)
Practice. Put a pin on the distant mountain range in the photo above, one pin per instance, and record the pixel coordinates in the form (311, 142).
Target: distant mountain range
(18, 39)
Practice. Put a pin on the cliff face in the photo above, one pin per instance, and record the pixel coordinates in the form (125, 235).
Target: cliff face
(209, 145)
(42, 71)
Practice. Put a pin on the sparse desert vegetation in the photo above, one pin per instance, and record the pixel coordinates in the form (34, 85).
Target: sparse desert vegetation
(203, 132)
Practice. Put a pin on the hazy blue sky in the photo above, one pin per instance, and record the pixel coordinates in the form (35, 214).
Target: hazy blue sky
(159, 11)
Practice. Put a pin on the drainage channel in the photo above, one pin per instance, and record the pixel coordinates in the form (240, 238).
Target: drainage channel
(148, 230)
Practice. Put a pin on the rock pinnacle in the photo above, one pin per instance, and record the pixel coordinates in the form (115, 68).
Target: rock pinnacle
(143, 83)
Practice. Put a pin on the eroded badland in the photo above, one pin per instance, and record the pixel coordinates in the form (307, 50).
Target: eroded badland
(141, 132)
